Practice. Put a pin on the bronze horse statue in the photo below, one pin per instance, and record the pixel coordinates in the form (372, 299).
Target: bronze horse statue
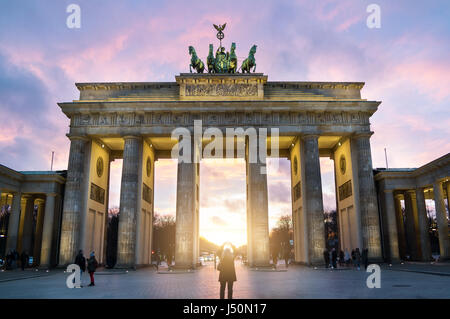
(232, 60)
(210, 60)
(196, 63)
(250, 62)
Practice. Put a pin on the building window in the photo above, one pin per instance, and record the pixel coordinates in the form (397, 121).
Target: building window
(345, 190)
(97, 194)
(146, 193)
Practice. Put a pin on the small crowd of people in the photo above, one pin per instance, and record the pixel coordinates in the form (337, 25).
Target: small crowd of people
(92, 265)
(13, 259)
(345, 259)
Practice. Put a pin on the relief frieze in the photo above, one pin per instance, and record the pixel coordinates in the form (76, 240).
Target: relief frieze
(222, 89)
(220, 118)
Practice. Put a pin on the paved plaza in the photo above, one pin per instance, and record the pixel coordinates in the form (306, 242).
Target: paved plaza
(399, 281)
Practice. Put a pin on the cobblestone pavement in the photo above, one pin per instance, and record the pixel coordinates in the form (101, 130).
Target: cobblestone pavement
(296, 282)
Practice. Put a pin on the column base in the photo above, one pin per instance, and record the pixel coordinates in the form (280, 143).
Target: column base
(47, 267)
(128, 267)
(181, 269)
(261, 266)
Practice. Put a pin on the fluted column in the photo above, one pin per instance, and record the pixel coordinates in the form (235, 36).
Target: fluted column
(257, 207)
(313, 199)
(370, 221)
(392, 225)
(27, 226)
(186, 231)
(72, 209)
(442, 222)
(38, 232)
(400, 226)
(13, 223)
(47, 231)
(423, 228)
(411, 224)
(129, 205)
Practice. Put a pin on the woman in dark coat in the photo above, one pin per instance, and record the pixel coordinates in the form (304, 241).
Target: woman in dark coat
(92, 267)
(227, 274)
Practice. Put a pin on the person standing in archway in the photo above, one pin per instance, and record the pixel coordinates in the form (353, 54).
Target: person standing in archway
(226, 268)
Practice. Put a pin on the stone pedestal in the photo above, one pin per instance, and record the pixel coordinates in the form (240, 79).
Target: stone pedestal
(442, 223)
(13, 223)
(129, 202)
(69, 244)
(392, 226)
(47, 231)
(423, 228)
(313, 200)
(370, 221)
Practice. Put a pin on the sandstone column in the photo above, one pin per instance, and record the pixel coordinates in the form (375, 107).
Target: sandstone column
(129, 202)
(313, 199)
(400, 226)
(27, 226)
(411, 224)
(423, 228)
(72, 209)
(442, 222)
(47, 232)
(186, 231)
(13, 223)
(38, 232)
(392, 225)
(370, 221)
(257, 207)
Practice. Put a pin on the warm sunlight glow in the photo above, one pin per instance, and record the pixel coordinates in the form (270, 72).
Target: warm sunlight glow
(222, 201)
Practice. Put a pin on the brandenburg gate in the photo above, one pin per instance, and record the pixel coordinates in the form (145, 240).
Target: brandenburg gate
(135, 121)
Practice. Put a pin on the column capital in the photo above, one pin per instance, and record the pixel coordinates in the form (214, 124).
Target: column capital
(362, 134)
(77, 137)
(411, 193)
(398, 194)
(51, 194)
(310, 136)
(130, 137)
(389, 191)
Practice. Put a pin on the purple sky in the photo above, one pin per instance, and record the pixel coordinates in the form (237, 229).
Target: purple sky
(405, 64)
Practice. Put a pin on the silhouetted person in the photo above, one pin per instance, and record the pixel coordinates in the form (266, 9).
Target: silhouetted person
(227, 274)
(341, 258)
(81, 262)
(92, 267)
(158, 260)
(358, 258)
(365, 258)
(326, 257)
(347, 258)
(334, 258)
(275, 253)
(24, 260)
(287, 253)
